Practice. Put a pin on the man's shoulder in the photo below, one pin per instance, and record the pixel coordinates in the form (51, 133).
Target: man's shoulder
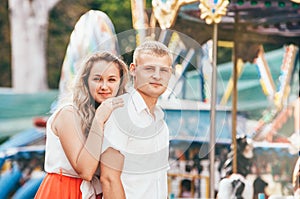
(124, 95)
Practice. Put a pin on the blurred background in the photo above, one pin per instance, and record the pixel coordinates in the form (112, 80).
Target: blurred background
(258, 40)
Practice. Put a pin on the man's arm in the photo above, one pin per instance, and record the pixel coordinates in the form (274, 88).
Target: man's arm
(111, 165)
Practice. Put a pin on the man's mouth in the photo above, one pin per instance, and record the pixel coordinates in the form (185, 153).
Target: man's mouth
(156, 84)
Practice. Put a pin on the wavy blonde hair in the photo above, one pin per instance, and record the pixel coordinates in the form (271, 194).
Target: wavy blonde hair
(82, 98)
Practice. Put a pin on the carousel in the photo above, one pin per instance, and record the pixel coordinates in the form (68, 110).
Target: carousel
(246, 27)
(204, 105)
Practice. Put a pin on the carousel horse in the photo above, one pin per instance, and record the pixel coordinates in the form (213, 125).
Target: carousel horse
(235, 185)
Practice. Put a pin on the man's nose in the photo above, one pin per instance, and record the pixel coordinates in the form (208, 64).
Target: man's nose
(156, 74)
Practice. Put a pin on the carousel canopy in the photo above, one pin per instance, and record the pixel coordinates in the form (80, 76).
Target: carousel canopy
(258, 21)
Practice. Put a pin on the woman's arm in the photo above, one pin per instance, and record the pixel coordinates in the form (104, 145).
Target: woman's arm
(80, 151)
(111, 166)
(83, 153)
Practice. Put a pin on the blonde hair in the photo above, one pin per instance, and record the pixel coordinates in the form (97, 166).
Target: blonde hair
(151, 47)
(82, 98)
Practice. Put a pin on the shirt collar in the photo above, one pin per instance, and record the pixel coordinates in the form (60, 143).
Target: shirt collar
(140, 104)
(138, 101)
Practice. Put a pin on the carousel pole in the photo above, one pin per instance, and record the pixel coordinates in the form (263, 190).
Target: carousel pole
(234, 109)
(213, 114)
(212, 11)
(234, 94)
(139, 20)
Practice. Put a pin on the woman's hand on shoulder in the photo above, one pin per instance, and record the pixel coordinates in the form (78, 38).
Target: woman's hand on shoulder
(105, 109)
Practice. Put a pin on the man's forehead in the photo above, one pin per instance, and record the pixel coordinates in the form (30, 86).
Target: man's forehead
(158, 65)
(154, 58)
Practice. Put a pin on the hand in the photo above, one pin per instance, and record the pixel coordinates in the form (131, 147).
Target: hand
(105, 109)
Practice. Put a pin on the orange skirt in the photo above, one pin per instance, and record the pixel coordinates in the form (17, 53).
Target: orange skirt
(59, 186)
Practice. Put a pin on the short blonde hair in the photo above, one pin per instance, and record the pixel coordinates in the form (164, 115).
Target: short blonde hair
(152, 47)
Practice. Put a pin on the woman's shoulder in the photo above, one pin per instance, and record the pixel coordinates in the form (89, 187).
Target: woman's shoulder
(66, 110)
(65, 116)
(65, 107)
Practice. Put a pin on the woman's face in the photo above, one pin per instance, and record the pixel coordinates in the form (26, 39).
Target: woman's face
(104, 80)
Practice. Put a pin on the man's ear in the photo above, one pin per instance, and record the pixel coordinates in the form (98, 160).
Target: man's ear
(132, 69)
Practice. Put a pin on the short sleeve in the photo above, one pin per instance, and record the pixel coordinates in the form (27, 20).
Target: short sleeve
(113, 137)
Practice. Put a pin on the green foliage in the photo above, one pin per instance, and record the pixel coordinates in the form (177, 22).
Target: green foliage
(119, 12)
(5, 49)
(62, 20)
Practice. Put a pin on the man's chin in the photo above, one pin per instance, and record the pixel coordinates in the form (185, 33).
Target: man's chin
(157, 92)
(153, 91)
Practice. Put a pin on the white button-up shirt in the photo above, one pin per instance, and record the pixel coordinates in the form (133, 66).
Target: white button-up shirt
(144, 142)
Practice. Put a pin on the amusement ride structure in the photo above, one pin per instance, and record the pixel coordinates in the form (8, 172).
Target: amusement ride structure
(193, 30)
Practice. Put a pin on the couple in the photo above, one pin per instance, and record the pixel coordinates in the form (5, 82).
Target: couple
(131, 148)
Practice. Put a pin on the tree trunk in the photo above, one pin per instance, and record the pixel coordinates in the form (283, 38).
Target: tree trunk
(29, 24)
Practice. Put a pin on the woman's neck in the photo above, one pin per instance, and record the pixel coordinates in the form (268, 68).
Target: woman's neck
(97, 105)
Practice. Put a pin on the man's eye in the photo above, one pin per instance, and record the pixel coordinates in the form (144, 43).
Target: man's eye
(149, 68)
(112, 80)
(165, 70)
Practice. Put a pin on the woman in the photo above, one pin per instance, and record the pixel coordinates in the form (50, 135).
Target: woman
(75, 129)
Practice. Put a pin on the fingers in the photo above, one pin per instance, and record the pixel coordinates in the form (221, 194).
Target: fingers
(104, 110)
(118, 105)
(117, 102)
(114, 103)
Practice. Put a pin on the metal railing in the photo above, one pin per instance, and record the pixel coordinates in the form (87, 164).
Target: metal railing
(193, 178)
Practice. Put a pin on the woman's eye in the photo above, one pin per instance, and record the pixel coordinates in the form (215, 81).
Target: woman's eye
(112, 80)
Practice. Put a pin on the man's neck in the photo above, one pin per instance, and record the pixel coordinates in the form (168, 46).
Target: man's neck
(150, 102)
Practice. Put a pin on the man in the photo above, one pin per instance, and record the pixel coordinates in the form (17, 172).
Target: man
(134, 158)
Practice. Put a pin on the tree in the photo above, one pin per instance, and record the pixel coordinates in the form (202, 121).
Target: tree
(57, 29)
(29, 26)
